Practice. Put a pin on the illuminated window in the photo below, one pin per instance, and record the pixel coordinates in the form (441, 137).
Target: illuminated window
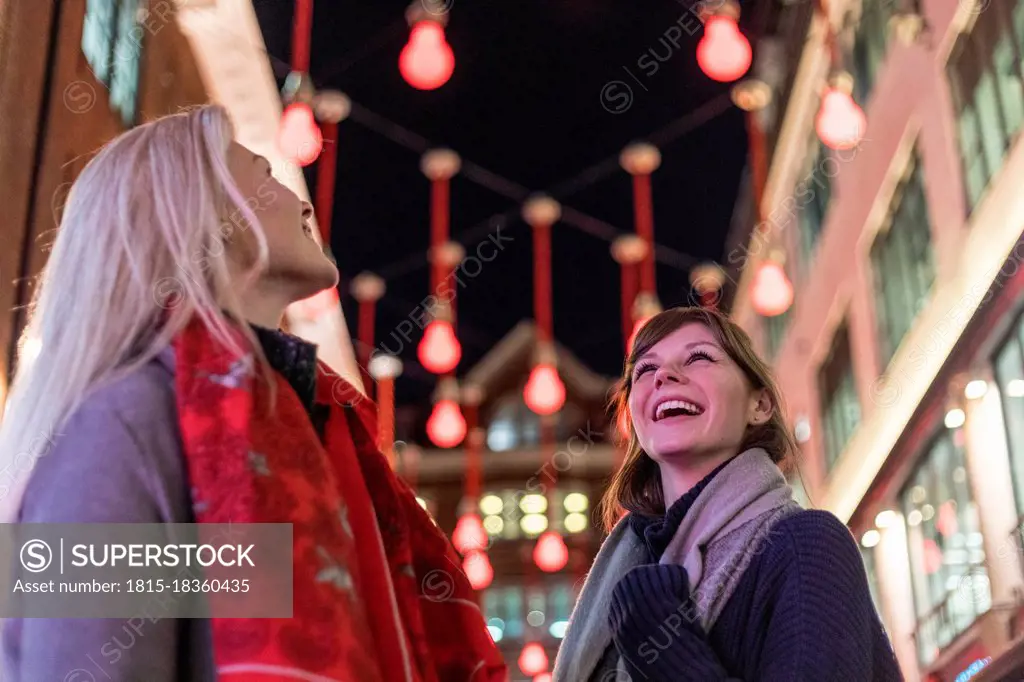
(813, 194)
(985, 79)
(902, 261)
(944, 540)
(840, 407)
(112, 43)
(1009, 374)
(869, 46)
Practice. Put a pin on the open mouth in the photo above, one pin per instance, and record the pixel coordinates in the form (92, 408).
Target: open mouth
(307, 229)
(676, 408)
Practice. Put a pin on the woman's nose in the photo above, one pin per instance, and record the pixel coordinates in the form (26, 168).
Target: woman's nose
(307, 210)
(666, 374)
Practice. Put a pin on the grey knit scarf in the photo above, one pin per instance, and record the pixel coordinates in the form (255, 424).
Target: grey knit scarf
(727, 526)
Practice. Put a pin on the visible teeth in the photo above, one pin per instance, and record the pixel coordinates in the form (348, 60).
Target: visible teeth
(687, 407)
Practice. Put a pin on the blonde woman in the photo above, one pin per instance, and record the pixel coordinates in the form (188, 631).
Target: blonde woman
(162, 390)
(716, 573)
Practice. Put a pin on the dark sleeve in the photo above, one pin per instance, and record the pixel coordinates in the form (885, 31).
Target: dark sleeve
(824, 625)
(656, 630)
(97, 471)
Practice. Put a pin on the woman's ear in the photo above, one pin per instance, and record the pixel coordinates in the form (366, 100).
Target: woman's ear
(761, 407)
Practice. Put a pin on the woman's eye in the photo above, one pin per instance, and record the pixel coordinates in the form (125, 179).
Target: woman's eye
(699, 355)
(641, 370)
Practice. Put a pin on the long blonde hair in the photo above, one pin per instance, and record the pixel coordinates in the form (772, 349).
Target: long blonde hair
(636, 486)
(138, 252)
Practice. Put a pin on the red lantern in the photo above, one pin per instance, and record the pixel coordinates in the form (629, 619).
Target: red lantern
(550, 553)
(723, 53)
(477, 568)
(533, 660)
(840, 123)
(469, 534)
(771, 291)
(299, 138)
(439, 350)
(427, 60)
(446, 426)
(544, 392)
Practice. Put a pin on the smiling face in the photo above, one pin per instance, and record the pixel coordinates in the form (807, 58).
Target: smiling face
(689, 398)
(296, 259)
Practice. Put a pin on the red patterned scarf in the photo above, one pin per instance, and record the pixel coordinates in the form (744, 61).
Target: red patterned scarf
(363, 548)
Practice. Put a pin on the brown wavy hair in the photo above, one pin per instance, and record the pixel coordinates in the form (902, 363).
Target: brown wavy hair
(636, 486)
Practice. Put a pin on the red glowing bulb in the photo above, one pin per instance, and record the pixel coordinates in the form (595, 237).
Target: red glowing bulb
(771, 291)
(544, 392)
(543, 677)
(477, 568)
(299, 138)
(446, 426)
(550, 553)
(533, 660)
(469, 534)
(723, 53)
(439, 350)
(427, 60)
(840, 122)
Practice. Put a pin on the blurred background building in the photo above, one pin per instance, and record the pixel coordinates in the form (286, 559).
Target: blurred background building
(901, 353)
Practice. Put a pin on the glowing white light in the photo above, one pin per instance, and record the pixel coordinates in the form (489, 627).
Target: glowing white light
(491, 505)
(870, 538)
(955, 418)
(975, 389)
(534, 524)
(533, 504)
(885, 518)
(574, 523)
(576, 502)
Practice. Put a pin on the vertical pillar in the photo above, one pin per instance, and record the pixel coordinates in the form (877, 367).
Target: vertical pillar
(897, 594)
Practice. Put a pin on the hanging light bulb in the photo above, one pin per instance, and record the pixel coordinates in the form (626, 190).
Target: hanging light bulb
(446, 426)
(771, 291)
(477, 568)
(533, 660)
(299, 138)
(544, 392)
(550, 553)
(724, 53)
(427, 60)
(469, 535)
(840, 122)
(543, 677)
(439, 350)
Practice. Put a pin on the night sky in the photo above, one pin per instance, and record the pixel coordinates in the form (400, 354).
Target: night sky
(533, 105)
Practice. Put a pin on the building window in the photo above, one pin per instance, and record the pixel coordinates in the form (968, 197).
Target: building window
(869, 46)
(945, 546)
(840, 406)
(514, 514)
(112, 44)
(775, 329)
(814, 194)
(514, 425)
(986, 82)
(515, 613)
(1009, 375)
(902, 262)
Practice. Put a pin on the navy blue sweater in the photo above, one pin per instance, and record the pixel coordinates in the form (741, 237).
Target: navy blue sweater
(801, 612)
